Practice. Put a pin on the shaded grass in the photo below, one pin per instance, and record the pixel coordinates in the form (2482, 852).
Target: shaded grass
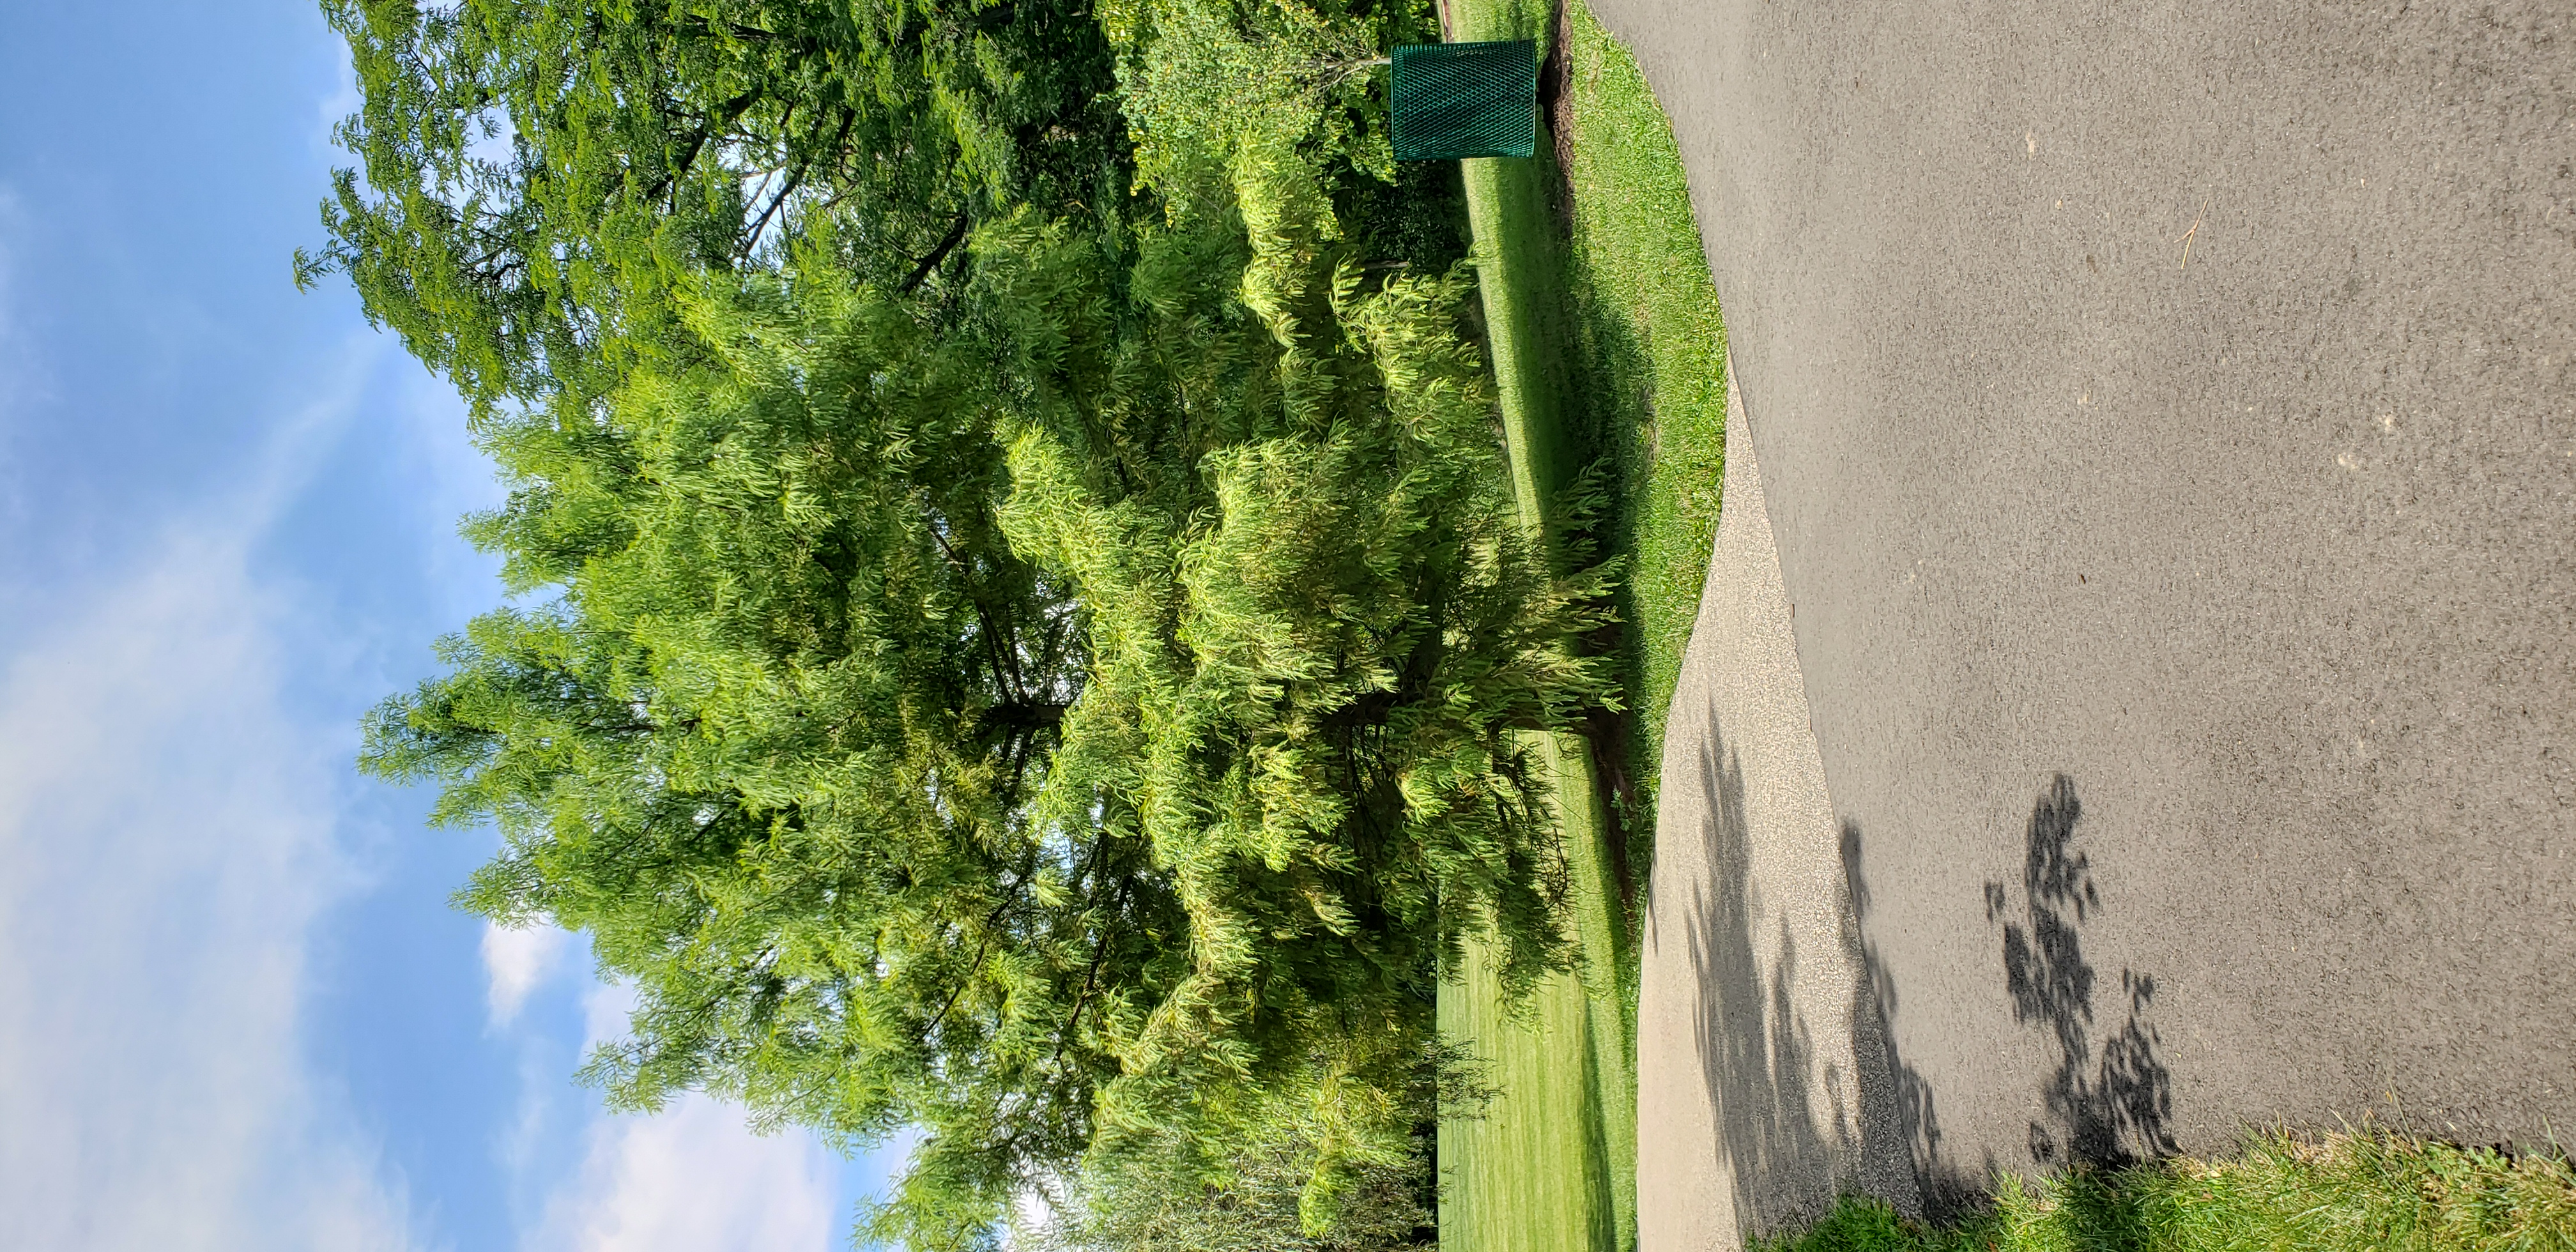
(1650, 352)
(1608, 356)
(1551, 1160)
(2350, 1191)
(1608, 348)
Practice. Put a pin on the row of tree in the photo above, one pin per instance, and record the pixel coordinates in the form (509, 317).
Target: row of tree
(1018, 628)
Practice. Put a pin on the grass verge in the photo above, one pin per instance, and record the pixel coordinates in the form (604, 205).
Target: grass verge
(1551, 1162)
(1607, 341)
(2353, 1191)
(1608, 352)
(1649, 351)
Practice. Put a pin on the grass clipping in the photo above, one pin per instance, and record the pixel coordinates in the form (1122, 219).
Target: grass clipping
(2360, 1190)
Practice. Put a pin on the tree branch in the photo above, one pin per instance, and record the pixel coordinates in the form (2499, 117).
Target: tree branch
(1099, 953)
(723, 117)
(956, 235)
(751, 238)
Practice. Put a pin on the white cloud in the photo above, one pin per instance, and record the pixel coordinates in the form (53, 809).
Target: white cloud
(516, 959)
(693, 1178)
(167, 841)
(604, 1013)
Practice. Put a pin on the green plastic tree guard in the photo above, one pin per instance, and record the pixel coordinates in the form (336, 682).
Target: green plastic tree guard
(1453, 100)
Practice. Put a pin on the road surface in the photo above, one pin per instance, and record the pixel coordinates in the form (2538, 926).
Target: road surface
(2166, 426)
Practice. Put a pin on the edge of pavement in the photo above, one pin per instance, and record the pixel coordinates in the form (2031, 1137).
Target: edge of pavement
(1764, 1088)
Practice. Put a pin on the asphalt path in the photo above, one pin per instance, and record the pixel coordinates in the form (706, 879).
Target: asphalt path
(1764, 1085)
(2166, 417)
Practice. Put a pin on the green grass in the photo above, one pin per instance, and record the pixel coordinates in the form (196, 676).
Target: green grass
(1606, 337)
(1651, 353)
(1551, 1162)
(2368, 1190)
(1607, 350)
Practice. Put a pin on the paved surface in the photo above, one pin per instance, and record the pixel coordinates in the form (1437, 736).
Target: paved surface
(2191, 649)
(1764, 1087)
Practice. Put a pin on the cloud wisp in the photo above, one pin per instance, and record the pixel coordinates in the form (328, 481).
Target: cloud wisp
(692, 1177)
(517, 959)
(167, 841)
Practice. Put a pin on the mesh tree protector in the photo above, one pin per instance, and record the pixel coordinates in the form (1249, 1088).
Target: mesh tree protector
(1453, 100)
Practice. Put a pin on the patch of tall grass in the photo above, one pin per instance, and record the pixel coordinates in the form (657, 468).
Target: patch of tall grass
(2367, 1189)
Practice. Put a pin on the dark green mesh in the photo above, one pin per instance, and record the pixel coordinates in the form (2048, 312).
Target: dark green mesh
(1452, 100)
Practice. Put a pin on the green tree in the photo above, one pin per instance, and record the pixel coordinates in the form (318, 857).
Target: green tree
(1315, 656)
(538, 174)
(772, 746)
(1094, 715)
(1244, 1195)
(1053, 677)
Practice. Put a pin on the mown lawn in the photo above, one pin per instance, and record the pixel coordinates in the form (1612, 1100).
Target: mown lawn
(1608, 351)
(1551, 1161)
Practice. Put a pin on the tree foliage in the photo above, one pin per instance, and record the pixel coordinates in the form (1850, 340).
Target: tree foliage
(1311, 661)
(771, 748)
(1247, 1194)
(537, 174)
(985, 660)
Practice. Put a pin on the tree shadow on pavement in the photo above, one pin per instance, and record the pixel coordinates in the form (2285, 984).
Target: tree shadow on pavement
(1941, 1189)
(1796, 1132)
(1755, 1054)
(2107, 1114)
(1792, 1144)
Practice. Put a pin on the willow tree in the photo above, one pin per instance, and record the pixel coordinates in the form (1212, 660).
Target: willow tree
(773, 745)
(1091, 715)
(536, 175)
(990, 661)
(1318, 636)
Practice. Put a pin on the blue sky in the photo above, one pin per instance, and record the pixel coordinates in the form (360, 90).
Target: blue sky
(240, 1013)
